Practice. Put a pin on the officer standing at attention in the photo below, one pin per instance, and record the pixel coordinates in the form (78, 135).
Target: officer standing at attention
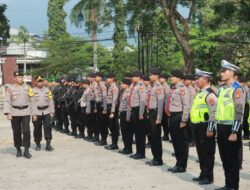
(229, 114)
(154, 106)
(126, 129)
(17, 108)
(147, 84)
(42, 109)
(178, 107)
(136, 103)
(86, 106)
(62, 105)
(202, 116)
(92, 115)
(189, 83)
(165, 117)
(80, 119)
(112, 102)
(94, 125)
(101, 108)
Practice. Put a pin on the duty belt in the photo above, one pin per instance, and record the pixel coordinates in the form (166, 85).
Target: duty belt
(152, 110)
(135, 108)
(42, 107)
(20, 107)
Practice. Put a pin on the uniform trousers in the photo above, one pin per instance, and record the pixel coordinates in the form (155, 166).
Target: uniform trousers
(21, 131)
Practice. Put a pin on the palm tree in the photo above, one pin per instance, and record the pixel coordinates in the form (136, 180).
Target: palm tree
(24, 37)
(89, 12)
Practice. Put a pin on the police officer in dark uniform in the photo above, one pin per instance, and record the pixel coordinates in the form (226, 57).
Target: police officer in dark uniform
(71, 106)
(79, 116)
(62, 105)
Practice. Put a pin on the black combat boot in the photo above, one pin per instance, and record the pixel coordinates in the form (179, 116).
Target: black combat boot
(48, 146)
(26, 153)
(38, 147)
(18, 152)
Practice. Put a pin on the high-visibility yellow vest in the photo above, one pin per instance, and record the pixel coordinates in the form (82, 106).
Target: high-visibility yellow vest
(225, 110)
(199, 108)
(249, 115)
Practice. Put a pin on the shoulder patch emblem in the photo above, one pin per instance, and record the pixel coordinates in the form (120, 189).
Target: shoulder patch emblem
(238, 93)
(211, 101)
(182, 92)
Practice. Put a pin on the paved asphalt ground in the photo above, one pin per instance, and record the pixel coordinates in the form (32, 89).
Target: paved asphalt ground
(79, 165)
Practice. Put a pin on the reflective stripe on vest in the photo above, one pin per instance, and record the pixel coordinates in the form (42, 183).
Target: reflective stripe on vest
(199, 108)
(225, 106)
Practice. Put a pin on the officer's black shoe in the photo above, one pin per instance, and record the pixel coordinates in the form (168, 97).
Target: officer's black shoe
(101, 143)
(38, 147)
(148, 145)
(197, 179)
(112, 147)
(125, 151)
(173, 168)
(18, 152)
(133, 155)
(223, 188)
(155, 163)
(65, 131)
(173, 154)
(205, 181)
(92, 139)
(96, 139)
(26, 153)
(80, 136)
(191, 145)
(58, 128)
(245, 137)
(89, 138)
(72, 134)
(138, 157)
(179, 170)
(48, 146)
(165, 138)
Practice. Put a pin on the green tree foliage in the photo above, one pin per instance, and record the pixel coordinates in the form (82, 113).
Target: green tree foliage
(93, 15)
(56, 19)
(4, 24)
(157, 44)
(69, 54)
(225, 33)
(119, 36)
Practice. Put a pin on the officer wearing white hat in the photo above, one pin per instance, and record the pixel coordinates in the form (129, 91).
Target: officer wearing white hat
(229, 113)
(202, 116)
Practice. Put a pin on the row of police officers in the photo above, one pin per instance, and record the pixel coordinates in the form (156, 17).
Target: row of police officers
(140, 107)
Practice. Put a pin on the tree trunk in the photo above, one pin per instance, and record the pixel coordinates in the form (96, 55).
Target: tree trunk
(188, 59)
(174, 17)
(139, 51)
(94, 37)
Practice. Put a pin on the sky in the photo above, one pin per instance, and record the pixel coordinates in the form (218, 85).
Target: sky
(33, 15)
